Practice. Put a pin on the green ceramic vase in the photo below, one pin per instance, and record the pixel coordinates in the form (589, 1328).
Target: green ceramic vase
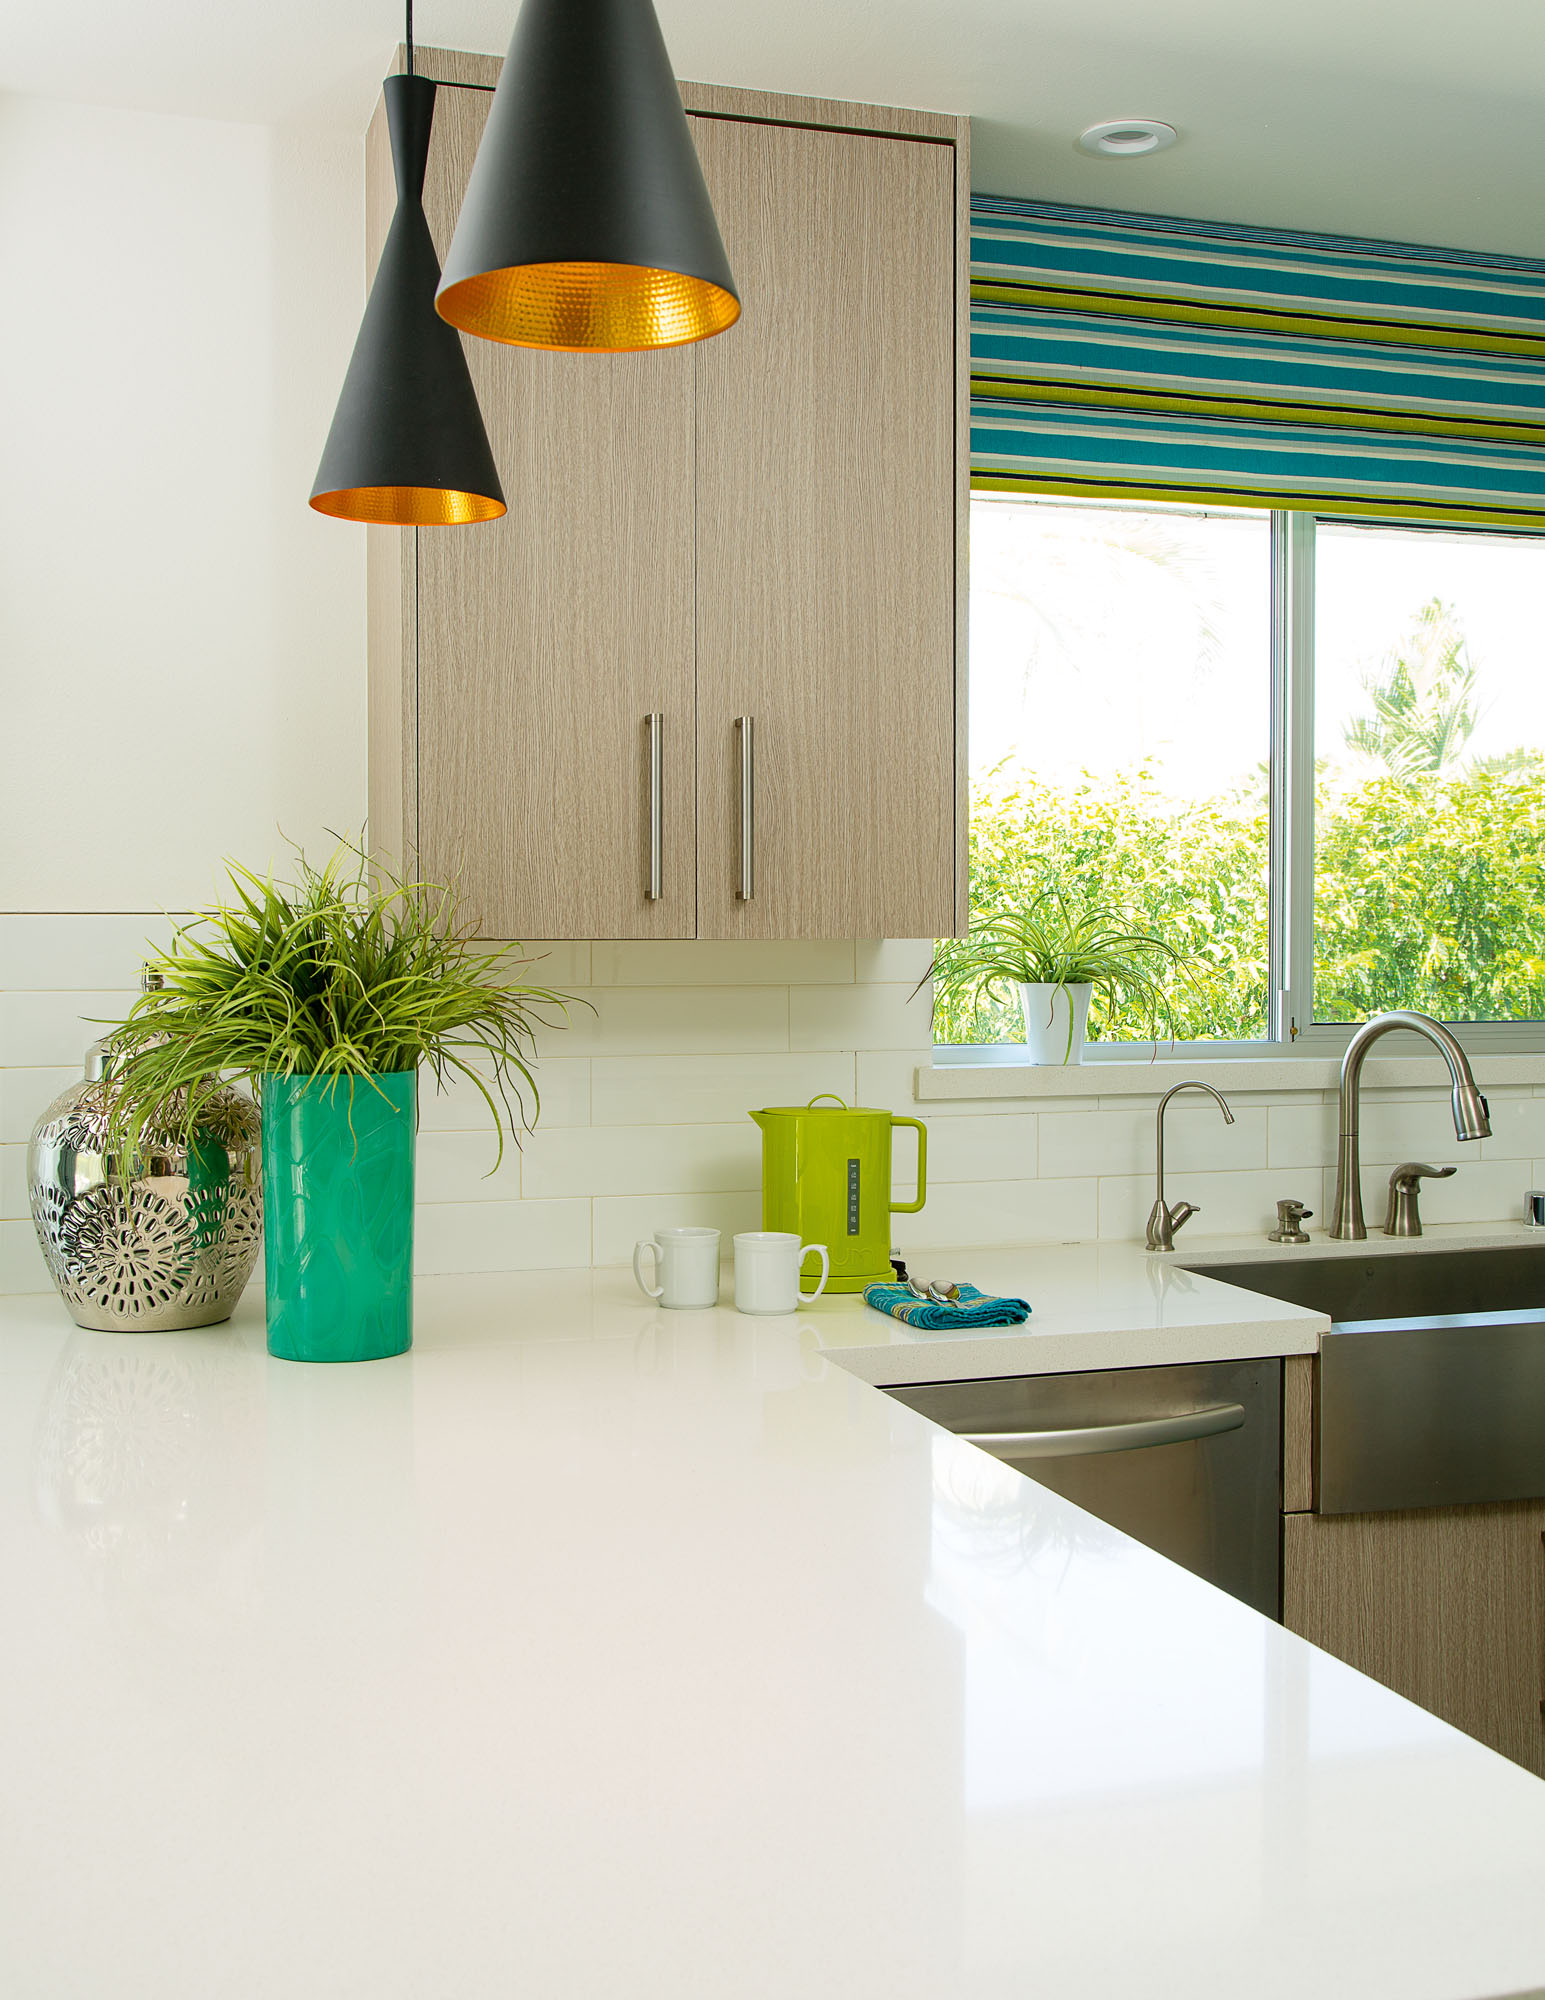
(338, 1214)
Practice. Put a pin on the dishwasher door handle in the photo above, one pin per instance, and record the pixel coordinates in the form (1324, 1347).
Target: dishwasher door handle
(1094, 1438)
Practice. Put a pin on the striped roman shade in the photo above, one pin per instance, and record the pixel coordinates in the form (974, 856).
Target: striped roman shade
(1199, 361)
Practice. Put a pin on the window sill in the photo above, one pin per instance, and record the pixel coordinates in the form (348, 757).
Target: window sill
(951, 1082)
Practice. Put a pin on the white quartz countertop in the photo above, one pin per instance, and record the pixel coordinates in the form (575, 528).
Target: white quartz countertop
(596, 1652)
(1114, 1305)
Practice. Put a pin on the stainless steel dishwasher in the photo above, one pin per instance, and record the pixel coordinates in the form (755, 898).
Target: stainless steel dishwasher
(1187, 1459)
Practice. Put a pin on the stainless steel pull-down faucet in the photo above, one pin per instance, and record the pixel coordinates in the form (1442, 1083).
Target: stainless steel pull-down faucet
(1163, 1220)
(1472, 1120)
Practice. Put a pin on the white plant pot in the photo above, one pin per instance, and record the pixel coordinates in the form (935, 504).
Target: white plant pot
(1055, 1019)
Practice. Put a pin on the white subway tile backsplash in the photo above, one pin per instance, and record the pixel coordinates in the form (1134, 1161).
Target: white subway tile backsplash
(500, 1235)
(565, 1093)
(1232, 1204)
(1259, 1100)
(58, 954)
(674, 1020)
(643, 1159)
(559, 967)
(646, 1095)
(14, 1203)
(459, 1166)
(1302, 1135)
(858, 1017)
(620, 1221)
(21, 1261)
(563, 1085)
(972, 1149)
(1481, 1191)
(722, 962)
(1125, 1142)
(983, 1213)
(889, 961)
(707, 1090)
(57, 1027)
(1415, 1131)
(1409, 1125)
(1517, 1128)
(25, 1094)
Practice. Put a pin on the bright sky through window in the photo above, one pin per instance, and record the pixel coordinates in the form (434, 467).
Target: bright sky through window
(1101, 637)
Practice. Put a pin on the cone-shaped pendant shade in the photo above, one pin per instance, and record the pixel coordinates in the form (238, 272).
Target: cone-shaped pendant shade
(586, 223)
(407, 444)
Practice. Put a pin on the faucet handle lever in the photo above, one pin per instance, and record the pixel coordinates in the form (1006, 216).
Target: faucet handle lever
(1403, 1217)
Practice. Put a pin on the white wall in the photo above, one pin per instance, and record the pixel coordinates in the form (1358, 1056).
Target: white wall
(181, 638)
(182, 673)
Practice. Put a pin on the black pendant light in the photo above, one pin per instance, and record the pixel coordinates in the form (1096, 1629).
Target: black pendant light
(407, 444)
(586, 223)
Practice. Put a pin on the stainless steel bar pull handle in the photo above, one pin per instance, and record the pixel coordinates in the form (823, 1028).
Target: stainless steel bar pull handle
(746, 725)
(654, 727)
(1134, 1436)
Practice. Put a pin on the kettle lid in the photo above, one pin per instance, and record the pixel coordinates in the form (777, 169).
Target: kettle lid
(816, 1108)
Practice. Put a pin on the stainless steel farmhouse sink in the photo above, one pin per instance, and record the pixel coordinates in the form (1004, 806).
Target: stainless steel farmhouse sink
(1431, 1382)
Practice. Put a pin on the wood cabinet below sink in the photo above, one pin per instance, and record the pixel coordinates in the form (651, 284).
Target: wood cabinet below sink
(1445, 1605)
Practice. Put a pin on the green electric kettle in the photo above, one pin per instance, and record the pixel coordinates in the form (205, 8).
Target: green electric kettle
(826, 1175)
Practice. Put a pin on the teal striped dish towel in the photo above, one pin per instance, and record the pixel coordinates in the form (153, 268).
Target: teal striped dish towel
(975, 1309)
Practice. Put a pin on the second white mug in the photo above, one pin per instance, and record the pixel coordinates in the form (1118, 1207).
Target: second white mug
(768, 1263)
(686, 1264)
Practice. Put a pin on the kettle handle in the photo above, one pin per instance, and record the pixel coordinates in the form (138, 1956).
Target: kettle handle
(911, 1207)
(841, 1103)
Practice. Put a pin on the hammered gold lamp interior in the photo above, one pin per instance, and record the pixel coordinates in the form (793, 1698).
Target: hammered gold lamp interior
(408, 447)
(587, 225)
(589, 307)
(408, 506)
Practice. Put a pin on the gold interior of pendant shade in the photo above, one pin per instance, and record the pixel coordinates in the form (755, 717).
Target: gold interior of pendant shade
(408, 506)
(591, 308)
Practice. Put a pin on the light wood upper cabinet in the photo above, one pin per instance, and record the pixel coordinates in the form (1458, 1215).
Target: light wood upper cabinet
(546, 638)
(826, 536)
(764, 524)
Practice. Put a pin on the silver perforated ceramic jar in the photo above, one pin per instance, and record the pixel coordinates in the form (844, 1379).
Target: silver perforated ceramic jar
(173, 1246)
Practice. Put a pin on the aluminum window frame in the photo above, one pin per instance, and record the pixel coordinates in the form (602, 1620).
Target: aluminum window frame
(1292, 1030)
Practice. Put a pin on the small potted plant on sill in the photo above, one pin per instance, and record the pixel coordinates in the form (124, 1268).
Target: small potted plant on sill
(1056, 952)
(327, 995)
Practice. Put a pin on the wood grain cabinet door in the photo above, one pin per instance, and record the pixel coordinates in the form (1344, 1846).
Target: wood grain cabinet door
(546, 638)
(826, 536)
(1444, 1605)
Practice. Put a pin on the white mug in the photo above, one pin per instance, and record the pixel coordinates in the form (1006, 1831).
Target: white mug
(686, 1266)
(768, 1263)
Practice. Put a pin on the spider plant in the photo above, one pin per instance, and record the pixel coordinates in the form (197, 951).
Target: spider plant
(1057, 941)
(345, 973)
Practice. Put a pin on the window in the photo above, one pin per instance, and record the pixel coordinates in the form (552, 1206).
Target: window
(1429, 830)
(1309, 752)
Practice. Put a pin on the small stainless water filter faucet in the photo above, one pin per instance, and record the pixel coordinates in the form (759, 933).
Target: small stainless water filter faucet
(1534, 1208)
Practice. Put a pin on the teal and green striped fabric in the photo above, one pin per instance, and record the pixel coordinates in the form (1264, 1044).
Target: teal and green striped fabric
(1146, 356)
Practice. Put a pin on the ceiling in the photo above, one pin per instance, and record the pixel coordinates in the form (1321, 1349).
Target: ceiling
(1412, 119)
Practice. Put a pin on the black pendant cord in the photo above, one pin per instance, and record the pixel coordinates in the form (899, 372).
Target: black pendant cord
(409, 4)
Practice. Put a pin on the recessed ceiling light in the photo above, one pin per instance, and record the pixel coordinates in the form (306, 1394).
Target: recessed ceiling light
(1127, 138)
